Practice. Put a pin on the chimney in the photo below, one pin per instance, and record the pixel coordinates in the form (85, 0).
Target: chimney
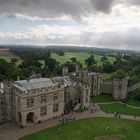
(28, 79)
(65, 71)
(18, 78)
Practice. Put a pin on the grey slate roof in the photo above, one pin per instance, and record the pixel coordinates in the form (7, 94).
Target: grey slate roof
(25, 85)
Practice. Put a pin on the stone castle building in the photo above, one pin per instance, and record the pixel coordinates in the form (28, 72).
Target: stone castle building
(34, 100)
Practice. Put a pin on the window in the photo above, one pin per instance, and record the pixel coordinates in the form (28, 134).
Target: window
(87, 92)
(3, 113)
(34, 91)
(18, 102)
(120, 87)
(55, 97)
(30, 102)
(1, 103)
(43, 99)
(86, 100)
(43, 111)
(86, 95)
(55, 107)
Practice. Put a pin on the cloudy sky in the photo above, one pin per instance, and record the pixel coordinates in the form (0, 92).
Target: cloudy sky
(99, 23)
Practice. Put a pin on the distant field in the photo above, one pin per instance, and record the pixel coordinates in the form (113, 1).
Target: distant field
(8, 59)
(6, 52)
(81, 56)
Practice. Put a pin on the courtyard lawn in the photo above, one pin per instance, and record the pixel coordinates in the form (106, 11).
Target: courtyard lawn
(111, 108)
(106, 76)
(91, 129)
(81, 56)
(133, 102)
(103, 98)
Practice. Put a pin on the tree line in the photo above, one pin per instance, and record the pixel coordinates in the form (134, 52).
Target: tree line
(124, 65)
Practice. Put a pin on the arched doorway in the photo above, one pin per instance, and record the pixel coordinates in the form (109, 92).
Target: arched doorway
(19, 117)
(30, 117)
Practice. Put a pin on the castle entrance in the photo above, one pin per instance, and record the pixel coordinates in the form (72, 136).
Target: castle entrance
(19, 117)
(30, 117)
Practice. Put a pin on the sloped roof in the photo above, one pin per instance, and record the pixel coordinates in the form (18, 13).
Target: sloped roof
(25, 85)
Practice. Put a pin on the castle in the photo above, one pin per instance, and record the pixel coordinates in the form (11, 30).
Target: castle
(34, 100)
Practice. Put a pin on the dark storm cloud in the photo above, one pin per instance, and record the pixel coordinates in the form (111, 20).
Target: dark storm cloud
(103, 5)
(55, 8)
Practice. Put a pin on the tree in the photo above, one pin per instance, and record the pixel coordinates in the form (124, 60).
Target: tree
(51, 64)
(71, 66)
(136, 70)
(104, 59)
(73, 59)
(14, 60)
(90, 61)
(45, 72)
(58, 70)
(120, 74)
(107, 67)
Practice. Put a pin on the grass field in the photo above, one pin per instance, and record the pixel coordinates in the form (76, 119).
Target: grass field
(8, 59)
(107, 76)
(81, 56)
(111, 108)
(62, 59)
(131, 99)
(133, 103)
(91, 129)
(103, 98)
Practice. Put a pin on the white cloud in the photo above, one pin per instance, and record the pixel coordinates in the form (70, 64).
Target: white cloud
(100, 23)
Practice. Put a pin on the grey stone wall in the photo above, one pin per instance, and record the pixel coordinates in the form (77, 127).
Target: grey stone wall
(106, 87)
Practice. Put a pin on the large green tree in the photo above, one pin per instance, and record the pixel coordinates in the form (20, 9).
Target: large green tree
(90, 61)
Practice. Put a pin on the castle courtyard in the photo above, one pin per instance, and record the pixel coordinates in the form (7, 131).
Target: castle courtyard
(101, 119)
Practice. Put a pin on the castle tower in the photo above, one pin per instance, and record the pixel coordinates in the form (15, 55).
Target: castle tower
(82, 75)
(6, 98)
(65, 71)
(120, 88)
(85, 95)
(95, 83)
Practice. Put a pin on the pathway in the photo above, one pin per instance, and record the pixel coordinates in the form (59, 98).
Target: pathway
(13, 132)
(106, 103)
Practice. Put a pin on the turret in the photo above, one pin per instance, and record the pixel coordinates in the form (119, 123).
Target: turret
(65, 71)
(85, 95)
(120, 88)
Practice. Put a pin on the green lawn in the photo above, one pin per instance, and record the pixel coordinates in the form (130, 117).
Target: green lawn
(81, 56)
(91, 129)
(103, 98)
(106, 76)
(131, 99)
(8, 59)
(111, 108)
(133, 103)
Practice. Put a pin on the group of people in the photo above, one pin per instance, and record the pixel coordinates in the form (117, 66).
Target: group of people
(117, 115)
(95, 109)
(66, 118)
